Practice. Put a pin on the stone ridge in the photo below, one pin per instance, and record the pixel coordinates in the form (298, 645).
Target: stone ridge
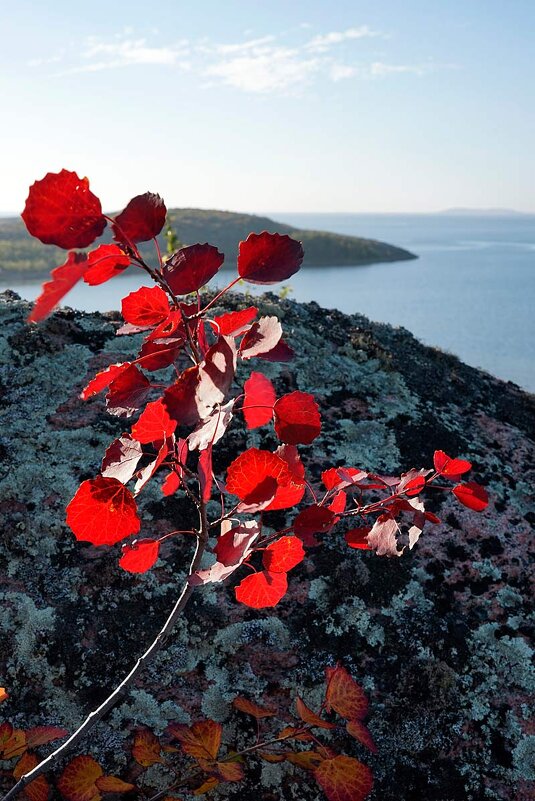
(440, 638)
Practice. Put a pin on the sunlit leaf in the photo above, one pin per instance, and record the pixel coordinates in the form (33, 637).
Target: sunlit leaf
(102, 512)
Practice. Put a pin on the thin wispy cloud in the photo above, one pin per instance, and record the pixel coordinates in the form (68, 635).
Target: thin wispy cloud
(261, 65)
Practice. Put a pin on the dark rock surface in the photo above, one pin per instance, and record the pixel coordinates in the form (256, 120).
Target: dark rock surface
(440, 639)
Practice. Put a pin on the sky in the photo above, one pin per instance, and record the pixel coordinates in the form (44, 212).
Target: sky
(331, 106)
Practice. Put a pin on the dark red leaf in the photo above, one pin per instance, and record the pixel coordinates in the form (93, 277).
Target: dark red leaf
(139, 556)
(268, 258)
(146, 306)
(103, 512)
(261, 590)
(344, 695)
(103, 379)
(297, 418)
(142, 219)
(343, 778)
(154, 424)
(78, 780)
(250, 708)
(63, 279)
(121, 459)
(179, 399)
(235, 323)
(314, 520)
(204, 471)
(192, 267)
(262, 337)
(308, 716)
(358, 538)
(104, 263)
(171, 327)
(159, 354)
(283, 555)
(360, 732)
(61, 210)
(201, 741)
(258, 401)
(128, 392)
(472, 495)
(282, 352)
(447, 466)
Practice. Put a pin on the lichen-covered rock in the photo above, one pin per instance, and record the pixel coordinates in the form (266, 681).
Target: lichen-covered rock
(440, 638)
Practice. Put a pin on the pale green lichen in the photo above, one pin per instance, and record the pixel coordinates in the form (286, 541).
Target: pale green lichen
(524, 758)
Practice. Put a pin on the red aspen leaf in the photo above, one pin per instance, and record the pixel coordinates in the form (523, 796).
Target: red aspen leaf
(111, 784)
(171, 483)
(308, 716)
(102, 512)
(258, 401)
(121, 459)
(155, 355)
(250, 708)
(297, 418)
(12, 741)
(290, 454)
(201, 741)
(3, 694)
(314, 520)
(235, 542)
(212, 428)
(216, 374)
(358, 538)
(41, 735)
(6, 730)
(344, 695)
(154, 423)
(61, 210)
(204, 471)
(179, 398)
(192, 267)
(63, 279)
(141, 220)
(146, 306)
(431, 517)
(295, 733)
(271, 756)
(149, 470)
(146, 749)
(412, 482)
(261, 477)
(103, 379)
(78, 780)
(104, 263)
(340, 477)
(262, 590)
(229, 771)
(139, 556)
(127, 392)
(447, 466)
(338, 503)
(207, 785)
(202, 338)
(360, 732)
(472, 495)
(383, 537)
(283, 555)
(235, 323)
(344, 779)
(282, 352)
(268, 258)
(308, 760)
(39, 789)
(261, 337)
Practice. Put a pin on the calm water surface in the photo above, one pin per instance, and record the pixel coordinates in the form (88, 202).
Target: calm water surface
(471, 292)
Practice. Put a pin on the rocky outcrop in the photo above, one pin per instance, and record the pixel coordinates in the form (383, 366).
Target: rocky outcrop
(440, 638)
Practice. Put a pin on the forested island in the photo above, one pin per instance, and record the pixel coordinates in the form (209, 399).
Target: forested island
(21, 254)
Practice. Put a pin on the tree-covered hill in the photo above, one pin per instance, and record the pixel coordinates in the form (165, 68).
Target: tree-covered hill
(21, 253)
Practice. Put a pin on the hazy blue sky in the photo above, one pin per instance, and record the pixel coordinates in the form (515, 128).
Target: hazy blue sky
(345, 105)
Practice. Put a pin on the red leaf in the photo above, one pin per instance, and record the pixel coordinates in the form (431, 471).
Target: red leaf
(338, 503)
(192, 267)
(250, 708)
(383, 537)
(147, 472)
(104, 263)
(63, 279)
(121, 459)
(283, 555)
(154, 423)
(259, 394)
(111, 784)
(201, 741)
(268, 258)
(102, 512)
(342, 477)
(260, 477)
(290, 454)
(159, 354)
(210, 430)
(78, 780)
(344, 779)
(146, 749)
(204, 471)
(146, 306)
(142, 219)
(235, 323)
(103, 379)
(282, 352)
(314, 520)
(358, 538)
(261, 590)
(472, 495)
(232, 548)
(297, 418)
(308, 716)
(139, 556)
(173, 326)
(41, 735)
(61, 210)
(179, 399)
(128, 392)
(360, 732)
(3, 694)
(261, 337)
(39, 789)
(344, 695)
(171, 483)
(447, 466)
